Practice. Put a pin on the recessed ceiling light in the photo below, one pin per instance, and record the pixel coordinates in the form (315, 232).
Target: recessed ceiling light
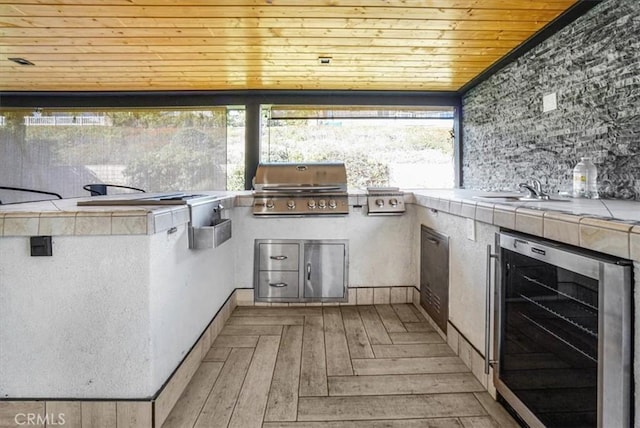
(21, 61)
(324, 60)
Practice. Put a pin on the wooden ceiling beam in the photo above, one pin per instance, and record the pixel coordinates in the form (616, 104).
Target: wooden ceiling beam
(274, 11)
(178, 22)
(15, 34)
(456, 4)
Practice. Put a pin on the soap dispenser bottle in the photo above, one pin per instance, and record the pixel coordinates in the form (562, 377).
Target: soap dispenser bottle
(585, 175)
(592, 179)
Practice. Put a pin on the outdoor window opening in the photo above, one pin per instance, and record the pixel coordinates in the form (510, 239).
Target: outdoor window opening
(203, 148)
(407, 147)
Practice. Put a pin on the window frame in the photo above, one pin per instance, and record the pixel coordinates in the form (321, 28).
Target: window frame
(252, 100)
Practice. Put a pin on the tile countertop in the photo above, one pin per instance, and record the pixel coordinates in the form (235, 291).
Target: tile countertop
(608, 226)
(628, 211)
(65, 217)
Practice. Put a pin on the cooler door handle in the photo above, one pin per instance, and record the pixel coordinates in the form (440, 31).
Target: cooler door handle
(487, 319)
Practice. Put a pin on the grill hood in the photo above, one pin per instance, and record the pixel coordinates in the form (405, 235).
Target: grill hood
(300, 189)
(301, 177)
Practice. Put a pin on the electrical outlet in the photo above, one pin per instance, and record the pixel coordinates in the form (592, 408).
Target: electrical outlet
(41, 246)
(471, 229)
(549, 102)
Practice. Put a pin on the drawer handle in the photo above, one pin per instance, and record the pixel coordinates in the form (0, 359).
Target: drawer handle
(278, 284)
(433, 241)
(278, 257)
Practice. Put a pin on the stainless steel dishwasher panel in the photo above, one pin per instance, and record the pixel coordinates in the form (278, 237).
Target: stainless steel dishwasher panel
(325, 270)
(434, 275)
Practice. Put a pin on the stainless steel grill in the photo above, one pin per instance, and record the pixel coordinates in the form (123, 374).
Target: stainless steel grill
(309, 189)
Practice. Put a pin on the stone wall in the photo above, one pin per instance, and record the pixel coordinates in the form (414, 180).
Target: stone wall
(593, 66)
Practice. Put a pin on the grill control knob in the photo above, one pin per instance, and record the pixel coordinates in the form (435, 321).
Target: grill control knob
(291, 204)
(393, 202)
(270, 204)
(322, 203)
(311, 204)
(379, 202)
(332, 203)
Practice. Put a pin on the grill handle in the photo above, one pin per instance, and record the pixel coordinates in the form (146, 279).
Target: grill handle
(305, 189)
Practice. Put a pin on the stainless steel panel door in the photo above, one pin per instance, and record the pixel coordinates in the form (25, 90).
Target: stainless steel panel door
(324, 270)
(275, 256)
(278, 285)
(434, 275)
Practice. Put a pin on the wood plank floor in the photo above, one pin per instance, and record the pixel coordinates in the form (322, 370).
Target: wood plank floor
(347, 366)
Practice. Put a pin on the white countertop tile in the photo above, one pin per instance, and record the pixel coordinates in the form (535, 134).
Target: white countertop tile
(605, 208)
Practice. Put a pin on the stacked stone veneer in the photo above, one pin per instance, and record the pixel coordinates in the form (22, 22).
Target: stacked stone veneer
(593, 66)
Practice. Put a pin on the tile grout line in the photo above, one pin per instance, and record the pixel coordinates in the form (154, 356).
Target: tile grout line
(348, 349)
(364, 326)
(235, 404)
(326, 356)
(236, 399)
(273, 372)
(204, 402)
(324, 345)
(300, 368)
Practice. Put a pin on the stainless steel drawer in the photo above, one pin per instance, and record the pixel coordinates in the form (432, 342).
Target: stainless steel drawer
(276, 285)
(279, 256)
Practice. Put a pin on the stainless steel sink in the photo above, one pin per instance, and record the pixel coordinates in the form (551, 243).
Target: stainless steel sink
(210, 236)
(207, 228)
(516, 198)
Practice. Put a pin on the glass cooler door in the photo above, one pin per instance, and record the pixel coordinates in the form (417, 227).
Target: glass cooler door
(549, 348)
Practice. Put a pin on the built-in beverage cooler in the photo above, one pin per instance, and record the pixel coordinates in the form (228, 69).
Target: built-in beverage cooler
(563, 330)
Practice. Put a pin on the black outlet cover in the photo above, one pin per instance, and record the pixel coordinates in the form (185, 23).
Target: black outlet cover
(41, 246)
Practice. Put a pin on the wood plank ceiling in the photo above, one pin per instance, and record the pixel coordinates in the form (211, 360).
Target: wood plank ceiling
(138, 45)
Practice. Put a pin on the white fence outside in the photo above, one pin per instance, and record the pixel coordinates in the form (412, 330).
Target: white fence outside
(66, 121)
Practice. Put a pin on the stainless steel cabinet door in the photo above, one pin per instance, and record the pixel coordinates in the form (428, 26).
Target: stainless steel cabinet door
(324, 270)
(434, 275)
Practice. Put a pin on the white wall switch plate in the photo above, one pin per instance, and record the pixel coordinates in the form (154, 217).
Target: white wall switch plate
(471, 229)
(549, 102)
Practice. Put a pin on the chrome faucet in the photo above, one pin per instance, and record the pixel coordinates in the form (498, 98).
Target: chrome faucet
(534, 187)
(217, 212)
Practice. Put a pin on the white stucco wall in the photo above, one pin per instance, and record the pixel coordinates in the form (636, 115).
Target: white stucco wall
(105, 316)
(467, 270)
(188, 287)
(76, 324)
(380, 248)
